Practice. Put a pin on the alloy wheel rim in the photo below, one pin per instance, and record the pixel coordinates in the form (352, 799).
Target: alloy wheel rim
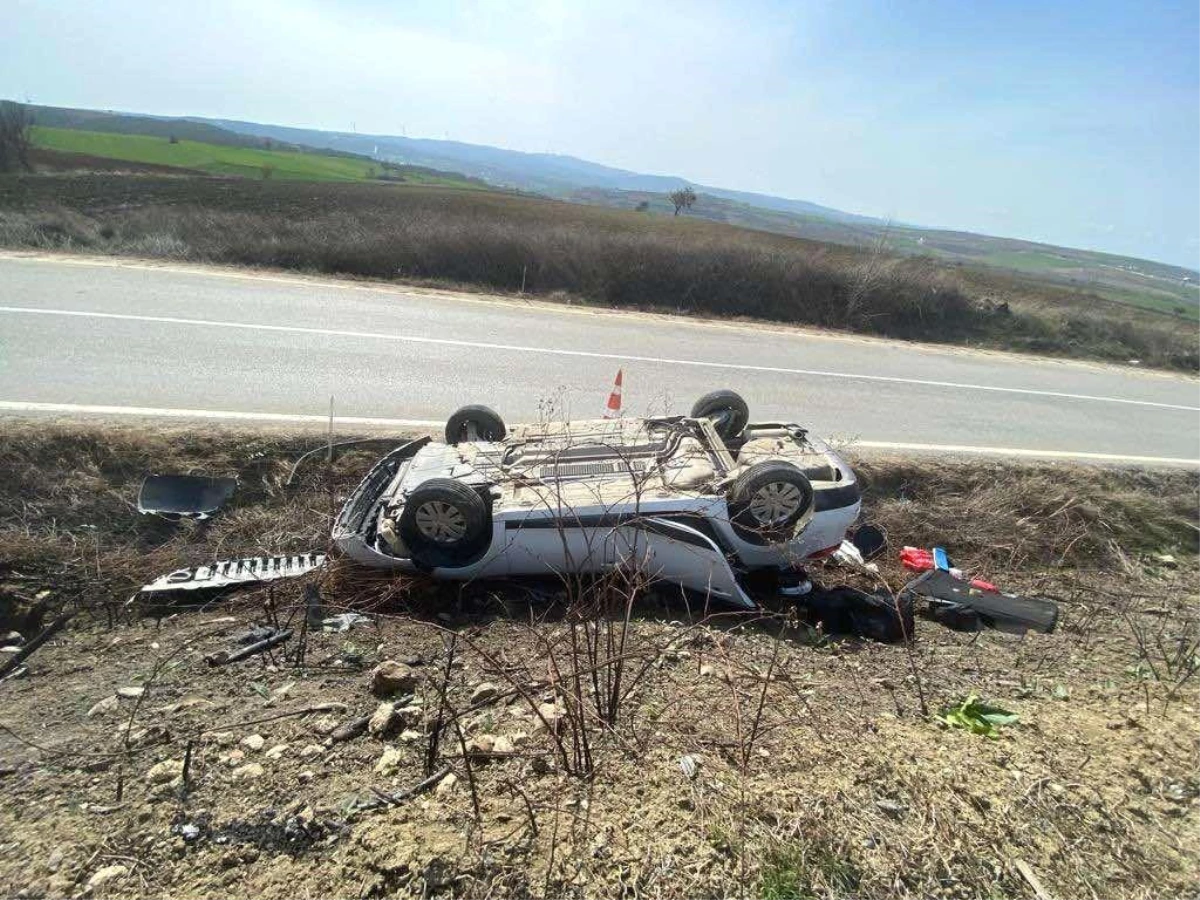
(775, 503)
(441, 522)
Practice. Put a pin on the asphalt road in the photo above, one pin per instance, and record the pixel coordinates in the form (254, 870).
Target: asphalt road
(109, 337)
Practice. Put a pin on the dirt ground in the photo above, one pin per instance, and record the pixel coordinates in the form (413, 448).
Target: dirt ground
(744, 755)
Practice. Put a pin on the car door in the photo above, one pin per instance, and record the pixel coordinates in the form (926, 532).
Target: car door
(667, 550)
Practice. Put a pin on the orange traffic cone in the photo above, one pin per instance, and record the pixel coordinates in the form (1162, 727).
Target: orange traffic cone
(612, 409)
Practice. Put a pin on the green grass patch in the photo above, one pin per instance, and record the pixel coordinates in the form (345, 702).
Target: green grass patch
(802, 871)
(244, 162)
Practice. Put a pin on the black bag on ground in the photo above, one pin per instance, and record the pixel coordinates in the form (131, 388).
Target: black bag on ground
(845, 610)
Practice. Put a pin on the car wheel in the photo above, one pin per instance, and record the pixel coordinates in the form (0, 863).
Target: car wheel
(769, 500)
(444, 523)
(475, 423)
(728, 411)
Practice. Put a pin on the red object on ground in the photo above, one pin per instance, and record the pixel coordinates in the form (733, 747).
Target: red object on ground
(916, 559)
(612, 409)
(983, 585)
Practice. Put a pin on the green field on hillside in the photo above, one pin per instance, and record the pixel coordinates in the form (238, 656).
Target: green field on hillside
(215, 159)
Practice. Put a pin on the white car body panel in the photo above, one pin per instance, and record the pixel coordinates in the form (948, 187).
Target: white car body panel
(552, 515)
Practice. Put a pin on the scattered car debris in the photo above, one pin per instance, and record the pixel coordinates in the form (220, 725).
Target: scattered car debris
(254, 635)
(225, 657)
(345, 621)
(870, 539)
(850, 556)
(961, 605)
(228, 573)
(176, 497)
(916, 559)
(14, 661)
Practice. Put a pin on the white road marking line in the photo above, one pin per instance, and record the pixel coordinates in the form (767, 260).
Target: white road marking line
(170, 413)
(516, 348)
(20, 406)
(1011, 451)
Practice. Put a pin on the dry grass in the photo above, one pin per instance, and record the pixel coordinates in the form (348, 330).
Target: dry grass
(503, 242)
(816, 773)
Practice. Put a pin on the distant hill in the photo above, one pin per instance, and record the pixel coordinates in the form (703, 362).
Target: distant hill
(1164, 288)
(548, 173)
(123, 123)
(205, 148)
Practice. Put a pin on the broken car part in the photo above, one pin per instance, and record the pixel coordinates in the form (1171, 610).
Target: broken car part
(176, 497)
(236, 571)
(28, 649)
(1004, 612)
(273, 640)
(870, 539)
(331, 451)
(345, 621)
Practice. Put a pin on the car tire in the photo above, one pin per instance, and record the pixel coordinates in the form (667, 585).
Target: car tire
(486, 423)
(728, 411)
(444, 524)
(769, 500)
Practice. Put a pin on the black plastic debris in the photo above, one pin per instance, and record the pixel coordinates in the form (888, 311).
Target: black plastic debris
(870, 539)
(959, 604)
(176, 497)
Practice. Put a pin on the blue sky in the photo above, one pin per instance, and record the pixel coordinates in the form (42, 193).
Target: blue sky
(1071, 122)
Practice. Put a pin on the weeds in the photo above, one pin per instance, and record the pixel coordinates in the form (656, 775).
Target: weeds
(798, 871)
(977, 717)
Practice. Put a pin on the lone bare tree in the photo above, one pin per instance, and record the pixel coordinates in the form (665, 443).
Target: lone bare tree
(15, 123)
(682, 198)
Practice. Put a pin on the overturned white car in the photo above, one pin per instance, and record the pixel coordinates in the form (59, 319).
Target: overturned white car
(701, 500)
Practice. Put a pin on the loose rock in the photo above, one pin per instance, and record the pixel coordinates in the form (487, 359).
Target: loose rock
(249, 771)
(277, 751)
(106, 874)
(323, 724)
(504, 744)
(392, 677)
(130, 693)
(105, 706)
(481, 744)
(484, 692)
(390, 762)
(165, 772)
(383, 719)
(254, 742)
